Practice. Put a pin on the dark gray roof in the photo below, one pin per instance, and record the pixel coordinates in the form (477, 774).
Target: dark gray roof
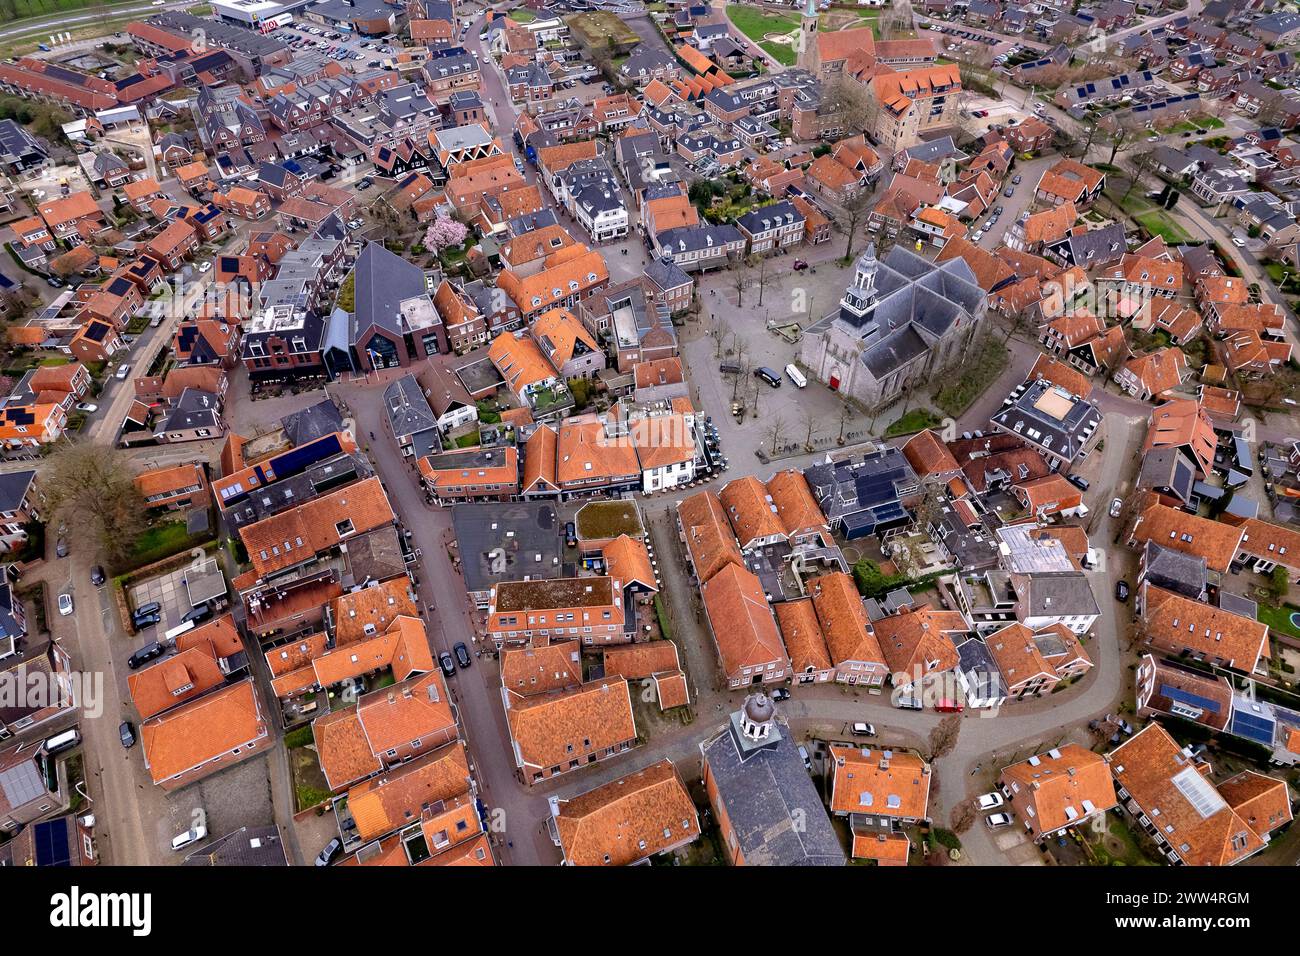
(247, 846)
(873, 485)
(312, 422)
(383, 280)
(774, 809)
(506, 541)
(13, 488)
(408, 410)
(195, 408)
(1026, 414)
(666, 274)
(1059, 593)
(1175, 571)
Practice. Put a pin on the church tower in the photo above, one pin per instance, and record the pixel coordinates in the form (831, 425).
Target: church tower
(860, 298)
(807, 59)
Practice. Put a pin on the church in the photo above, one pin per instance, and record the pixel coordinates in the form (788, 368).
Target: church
(902, 320)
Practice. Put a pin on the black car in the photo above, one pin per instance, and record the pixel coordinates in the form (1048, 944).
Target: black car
(571, 534)
(146, 620)
(462, 654)
(126, 734)
(197, 614)
(447, 664)
(54, 282)
(153, 607)
(767, 375)
(97, 575)
(144, 655)
(327, 855)
(1121, 590)
(1078, 481)
(779, 694)
(365, 183)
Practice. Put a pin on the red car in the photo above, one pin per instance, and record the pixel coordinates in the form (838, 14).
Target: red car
(799, 265)
(947, 706)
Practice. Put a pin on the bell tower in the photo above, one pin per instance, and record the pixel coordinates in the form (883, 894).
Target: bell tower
(807, 59)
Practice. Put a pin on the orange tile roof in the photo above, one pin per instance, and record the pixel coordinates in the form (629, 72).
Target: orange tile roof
(203, 729)
(627, 820)
(538, 670)
(628, 561)
(158, 481)
(414, 709)
(392, 800)
(68, 208)
(750, 510)
(849, 635)
(1174, 623)
(1069, 179)
(1017, 656)
(1183, 422)
(584, 268)
(841, 44)
(344, 752)
(1052, 224)
(919, 642)
(887, 849)
(372, 610)
(890, 784)
(174, 680)
(550, 730)
(928, 455)
(1063, 785)
(742, 623)
(640, 661)
(1058, 373)
(584, 453)
(403, 647)
(709, 540)
(796, 508)
(803, 636)
(539, 460)
(285, 539)
(1263, 802)
(1173, 528)
(1159, 371)
(1147, 765)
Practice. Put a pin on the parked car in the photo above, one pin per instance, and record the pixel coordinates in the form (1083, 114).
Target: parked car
(54, 282)
(326, 856)
(767, 375)
(204, 266)
(97, 575)
(571, 534)
(1015, 180)
(122, 372)
(447, 664)
(148, 620)
(1078, 481)
(807, 760)
(862, 729)
(1121, 591)
(61, 548)
(365, 183)
(977, 235)
(997, 211)
(126, 734)
(144, 655)
(800, 265)
(87, 407)
(998, 820)
(190, 837)
(779, 694)
(462, 654)
(948, 706)
(1116, 506)
(65, 603)
(197, 614)
(1009, 191)
(991, 801)
(1239, 242)
(151, 607)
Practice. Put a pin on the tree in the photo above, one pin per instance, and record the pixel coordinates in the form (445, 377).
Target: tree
(445, 233)
(929, 509)
(1279, 582)
(741, 279)
(963, 816)
(89, 488)
(852, 102)
(850, 217)
(1142, 164)
(944, 736)
(774, 433)
(810, 421)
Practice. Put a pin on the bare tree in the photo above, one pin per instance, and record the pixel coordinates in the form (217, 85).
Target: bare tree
(943, 738)
(852, 102)
(963, 817)
(810, 422)
(774, 433)
(851, 216)
(1141, 163)
(741, 280)
(89, 488)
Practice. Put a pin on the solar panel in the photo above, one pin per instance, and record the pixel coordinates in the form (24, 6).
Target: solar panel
(51, 840)
(1253, 727)
(1188, 698)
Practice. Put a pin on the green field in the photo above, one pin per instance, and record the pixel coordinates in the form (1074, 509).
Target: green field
(1158, 223)
(757, 24)
(11, 10)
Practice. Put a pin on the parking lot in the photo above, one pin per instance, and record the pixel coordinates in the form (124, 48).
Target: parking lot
(239, 796)
(177, 593)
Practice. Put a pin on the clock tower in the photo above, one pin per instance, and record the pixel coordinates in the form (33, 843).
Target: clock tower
(807, 59)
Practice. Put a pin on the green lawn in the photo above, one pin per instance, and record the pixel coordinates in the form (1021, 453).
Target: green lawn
(912, 421)
(757, 24)
(522, 16)
(1278, 618)
(23, 9)
(783, 53)
(160, 541)
(974, 375)
(1158, 223)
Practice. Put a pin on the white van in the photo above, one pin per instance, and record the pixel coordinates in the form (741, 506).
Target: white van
(795, 375)
(64, 741)
(190, 837)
